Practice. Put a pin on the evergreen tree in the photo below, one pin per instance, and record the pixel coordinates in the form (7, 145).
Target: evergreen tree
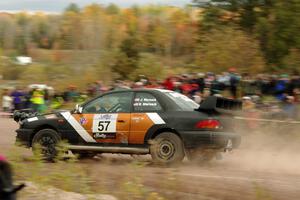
(73, 7)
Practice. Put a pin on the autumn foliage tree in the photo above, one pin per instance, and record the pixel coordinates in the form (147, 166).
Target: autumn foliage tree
(274, 24)
(110, 42)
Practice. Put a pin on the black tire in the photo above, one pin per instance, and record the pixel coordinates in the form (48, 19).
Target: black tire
(47, 139)
(167, 148)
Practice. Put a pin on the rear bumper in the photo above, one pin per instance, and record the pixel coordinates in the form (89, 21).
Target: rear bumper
(208, 139)
(24, 137)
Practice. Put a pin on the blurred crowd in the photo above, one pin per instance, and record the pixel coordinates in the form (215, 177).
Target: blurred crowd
(276, 95)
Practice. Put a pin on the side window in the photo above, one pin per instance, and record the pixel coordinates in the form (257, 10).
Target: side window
(112, 103)
(145, 102)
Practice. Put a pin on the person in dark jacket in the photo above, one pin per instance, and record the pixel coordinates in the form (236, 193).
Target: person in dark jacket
(7, 189)
(17, 96)
(234, 81)
(294, 84)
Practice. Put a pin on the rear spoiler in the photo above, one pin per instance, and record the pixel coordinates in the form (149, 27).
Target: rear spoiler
(220, 104)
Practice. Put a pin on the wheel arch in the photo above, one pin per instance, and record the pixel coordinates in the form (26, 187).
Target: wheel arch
(41, 127)
(156, 130)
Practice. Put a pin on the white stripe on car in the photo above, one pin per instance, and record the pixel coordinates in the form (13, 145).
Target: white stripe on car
(78, 128)
(155, 118)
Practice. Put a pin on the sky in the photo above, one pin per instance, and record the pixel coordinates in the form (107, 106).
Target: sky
(59, 5)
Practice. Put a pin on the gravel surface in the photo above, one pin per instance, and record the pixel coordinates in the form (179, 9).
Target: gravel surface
(260, 169)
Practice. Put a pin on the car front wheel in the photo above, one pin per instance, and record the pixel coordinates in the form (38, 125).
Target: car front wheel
(45, 142)
(167, 148)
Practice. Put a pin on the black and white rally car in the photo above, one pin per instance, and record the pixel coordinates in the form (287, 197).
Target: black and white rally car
(163, 123)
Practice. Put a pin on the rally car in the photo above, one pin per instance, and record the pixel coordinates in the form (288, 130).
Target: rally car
(163, 123)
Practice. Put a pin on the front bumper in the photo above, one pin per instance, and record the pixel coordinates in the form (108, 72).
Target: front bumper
(209, 139)
(24, 137)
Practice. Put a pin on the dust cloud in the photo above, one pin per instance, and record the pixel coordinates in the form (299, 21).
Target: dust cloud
(269, 148)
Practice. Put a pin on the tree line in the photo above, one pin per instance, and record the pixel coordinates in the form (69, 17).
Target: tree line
(110, 42)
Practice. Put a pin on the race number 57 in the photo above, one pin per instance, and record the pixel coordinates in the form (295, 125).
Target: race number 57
(103, 125)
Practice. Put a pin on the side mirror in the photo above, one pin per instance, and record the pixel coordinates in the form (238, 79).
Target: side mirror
(78, 109)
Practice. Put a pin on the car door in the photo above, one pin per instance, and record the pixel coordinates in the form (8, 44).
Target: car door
(106, 119)
(145, 114)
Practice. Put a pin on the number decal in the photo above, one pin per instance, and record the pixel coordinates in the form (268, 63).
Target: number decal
(104, 123)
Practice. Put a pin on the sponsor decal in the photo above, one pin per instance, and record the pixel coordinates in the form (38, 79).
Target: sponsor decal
(51, 116)
(145, 102)
(32, 119)
(83, 121)
(105, 117)
(105, 135)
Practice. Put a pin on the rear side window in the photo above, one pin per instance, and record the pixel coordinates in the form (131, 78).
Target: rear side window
(146, 102)
(183, 102)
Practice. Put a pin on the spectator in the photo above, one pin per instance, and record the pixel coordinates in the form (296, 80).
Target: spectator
(224, 80)
(294, 84)
(197, 97)
(98, 88)
(38, 100)
(17, 96)
(71, 94)
(186, 87)
(91, 90)
(27, 98)
(169, 84)
(200, 82)
(281, 87)
(215, 86)
(7, 189)
(206, 93)
(296, 94)
(6, 101)
(248, 85)
(234, 80)
(290, 108)
(250, 112)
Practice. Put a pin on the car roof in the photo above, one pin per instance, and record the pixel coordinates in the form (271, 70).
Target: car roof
(151, 90)
(141, 90)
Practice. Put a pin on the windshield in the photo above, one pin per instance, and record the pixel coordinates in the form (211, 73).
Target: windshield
(185, 103)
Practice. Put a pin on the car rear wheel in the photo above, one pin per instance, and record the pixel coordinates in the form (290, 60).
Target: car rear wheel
(167, 148)
(45, 142)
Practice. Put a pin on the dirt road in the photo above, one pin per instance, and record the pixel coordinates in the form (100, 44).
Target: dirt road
(258, 170)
